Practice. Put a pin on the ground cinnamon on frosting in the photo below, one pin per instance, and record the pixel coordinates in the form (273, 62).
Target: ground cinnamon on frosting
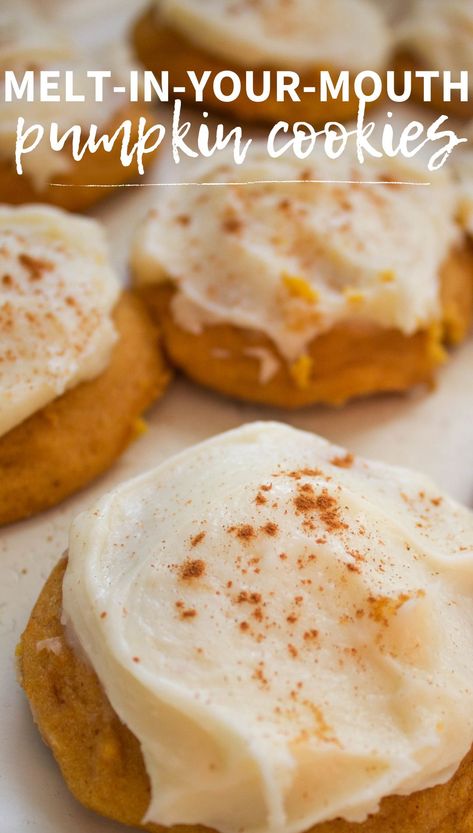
(192, 569)
(57, 293)
(336, 620)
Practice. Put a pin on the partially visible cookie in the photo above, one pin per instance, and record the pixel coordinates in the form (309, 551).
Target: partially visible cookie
(69, 185)
(29, 39)
(79, 360)
(100, 758)
(435, 35)
(68, 443)
(305, 36)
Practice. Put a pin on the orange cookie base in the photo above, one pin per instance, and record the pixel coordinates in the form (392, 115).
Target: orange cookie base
(456, 109)
(101, 759)
(160, 47)
(76, 437)
(348, 361)
(100, 168)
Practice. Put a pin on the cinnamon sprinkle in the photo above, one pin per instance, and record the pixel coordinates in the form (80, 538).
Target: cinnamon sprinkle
(232, 225)
(248, 598)
(187, 613)
(305, 472)
(35, 266)
(197, 539)
(192, 569)
(259, 675)
(305, 500)
(245, 532)
(271, 529)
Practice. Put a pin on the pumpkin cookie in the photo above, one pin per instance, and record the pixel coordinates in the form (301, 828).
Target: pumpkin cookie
(436, 35)
(26, 40)
(306, 36)
(79, 363)
(294, 293)
(231, 660)
(101, 168)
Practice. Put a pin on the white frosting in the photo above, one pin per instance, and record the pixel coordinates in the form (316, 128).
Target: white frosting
(268, 363)
(28, 41)
(57, 291)
(25, 39)
(292, 260)
(287, 631)
(440, 32)
(299, 34)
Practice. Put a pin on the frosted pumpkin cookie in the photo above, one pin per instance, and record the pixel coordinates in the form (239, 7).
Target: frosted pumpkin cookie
(29, 42)
(305, 36)
(79, 361)
(438, 35)
(295, 293)
(286, 623)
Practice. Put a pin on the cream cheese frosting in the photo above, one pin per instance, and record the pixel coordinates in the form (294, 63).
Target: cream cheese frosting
(57, 292)
(26, 39)
(441, 34)
(29, 41)
(300, 34)
(293, 260)
(286, 629)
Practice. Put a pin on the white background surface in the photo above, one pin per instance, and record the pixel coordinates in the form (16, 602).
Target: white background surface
(432, 432)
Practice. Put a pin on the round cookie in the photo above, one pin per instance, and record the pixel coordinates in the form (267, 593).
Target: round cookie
(68, 443)
(101, 168)
(101, 760)
(294, 293)
(160, 46)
